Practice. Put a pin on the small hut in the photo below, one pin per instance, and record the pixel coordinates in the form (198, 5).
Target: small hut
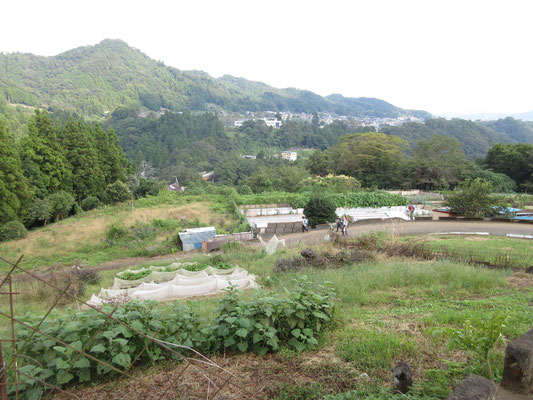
(193, 238)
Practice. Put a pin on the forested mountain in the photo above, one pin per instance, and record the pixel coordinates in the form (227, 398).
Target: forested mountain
(516, 130)
(476, 138)
(94, 79)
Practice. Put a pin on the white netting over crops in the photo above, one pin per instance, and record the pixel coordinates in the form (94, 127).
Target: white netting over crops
(161, 274)
(184, 284)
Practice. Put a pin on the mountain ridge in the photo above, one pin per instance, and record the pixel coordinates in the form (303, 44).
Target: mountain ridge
(91, 80)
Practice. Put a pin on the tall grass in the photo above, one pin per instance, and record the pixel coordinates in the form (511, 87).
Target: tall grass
(375, 282)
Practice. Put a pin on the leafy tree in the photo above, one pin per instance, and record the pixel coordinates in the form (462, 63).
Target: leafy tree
(318, 163)
(438, 162)
(259, 182)
(61, 203)
(245, 189)
(148, 187)
(320, 210)
(375, 159)
(514, 160)
(471, 199)
(117, 192)
(500, 182)
(39, 210)
(14, 190)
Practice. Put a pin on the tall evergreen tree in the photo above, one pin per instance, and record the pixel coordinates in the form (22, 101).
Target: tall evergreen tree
(87, 176)
(14, 189)
(113, 161)
(43, 158)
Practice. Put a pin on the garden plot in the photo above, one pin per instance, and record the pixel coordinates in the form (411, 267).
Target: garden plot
(181, 283)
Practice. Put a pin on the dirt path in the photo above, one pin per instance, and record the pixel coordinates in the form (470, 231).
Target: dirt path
(416, 228)
(356, 230)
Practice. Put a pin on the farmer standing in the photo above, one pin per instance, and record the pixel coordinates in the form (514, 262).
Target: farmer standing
(305, 222)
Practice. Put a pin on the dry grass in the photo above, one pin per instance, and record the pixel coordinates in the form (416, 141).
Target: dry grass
(66, 237)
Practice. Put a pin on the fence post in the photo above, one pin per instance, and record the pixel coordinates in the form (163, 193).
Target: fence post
(3, 387)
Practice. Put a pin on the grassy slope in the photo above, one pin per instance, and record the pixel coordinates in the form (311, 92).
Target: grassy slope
(83, 237)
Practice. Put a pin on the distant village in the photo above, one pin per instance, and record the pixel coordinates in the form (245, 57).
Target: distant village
(276, 119)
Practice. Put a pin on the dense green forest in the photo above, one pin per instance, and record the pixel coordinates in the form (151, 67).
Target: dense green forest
(59, 167)
(476, 138)
(94, 79)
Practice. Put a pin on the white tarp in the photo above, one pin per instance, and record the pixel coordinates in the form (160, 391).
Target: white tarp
(201, 283)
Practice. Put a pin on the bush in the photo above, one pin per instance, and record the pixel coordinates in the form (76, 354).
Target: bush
(39, 210)
(245, 190)
(333, 183)
(471, 199)
(61, 203)
(117, 192)
(148, 187)
(115, 231)
(12, 230)
(90, 203)
(320, 210)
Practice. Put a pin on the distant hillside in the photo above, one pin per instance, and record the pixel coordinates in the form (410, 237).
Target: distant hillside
(94, 79)
(476, 138)
(517, 130)
(525, 116)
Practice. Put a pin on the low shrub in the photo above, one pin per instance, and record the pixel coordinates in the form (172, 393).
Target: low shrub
(309, 258)
(117, 192)
(90, 203)
(85, 277)
(12, 230)
(115, 231)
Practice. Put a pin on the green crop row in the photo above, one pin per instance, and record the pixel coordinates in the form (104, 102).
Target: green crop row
(134, 275)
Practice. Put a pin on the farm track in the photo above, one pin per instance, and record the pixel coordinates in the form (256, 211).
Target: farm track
(431, 227)
(355, 230)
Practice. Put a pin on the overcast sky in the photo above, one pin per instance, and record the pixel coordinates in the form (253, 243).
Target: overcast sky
(446, 57)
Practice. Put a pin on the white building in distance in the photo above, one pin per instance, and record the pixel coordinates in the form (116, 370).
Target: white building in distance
(289, 155)
(272, 122)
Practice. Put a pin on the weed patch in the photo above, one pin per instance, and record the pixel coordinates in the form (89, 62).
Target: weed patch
(372, 349)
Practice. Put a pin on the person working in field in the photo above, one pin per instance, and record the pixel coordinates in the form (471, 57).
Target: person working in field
(411, 210)
(305, 222)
